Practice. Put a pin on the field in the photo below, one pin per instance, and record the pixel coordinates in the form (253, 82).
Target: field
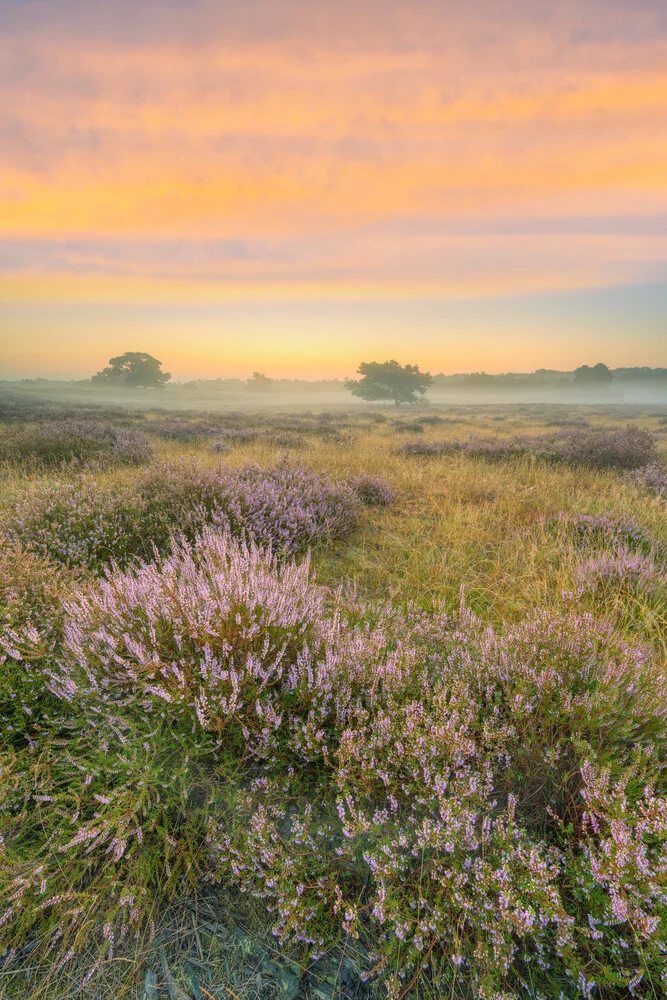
(362, 703)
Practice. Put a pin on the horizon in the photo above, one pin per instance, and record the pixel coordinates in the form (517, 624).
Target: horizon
(290, 188)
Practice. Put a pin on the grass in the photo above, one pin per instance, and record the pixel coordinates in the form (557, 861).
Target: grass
(459, 528)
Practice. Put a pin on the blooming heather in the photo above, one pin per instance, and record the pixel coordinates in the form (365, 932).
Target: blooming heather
(490, 798)
(89, 525)
(620, 568)
(596, 448)
(652, 478)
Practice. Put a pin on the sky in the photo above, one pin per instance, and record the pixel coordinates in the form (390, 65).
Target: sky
(294, 187)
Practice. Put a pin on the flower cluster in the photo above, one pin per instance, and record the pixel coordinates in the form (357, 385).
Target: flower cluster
(492, 798)
(89, 525)
(614, 555)
(620, 568)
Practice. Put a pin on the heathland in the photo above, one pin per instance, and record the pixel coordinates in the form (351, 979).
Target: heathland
(357, 703)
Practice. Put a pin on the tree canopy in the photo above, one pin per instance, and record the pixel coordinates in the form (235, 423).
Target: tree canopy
(133, 369)
(391, 381)
(597, 375)
(259, 382)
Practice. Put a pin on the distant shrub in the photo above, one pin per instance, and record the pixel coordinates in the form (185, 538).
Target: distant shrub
(652, 478)
(183, 430)
(567, 422)
(88, 525)
(428, 449)
(493, 449)
(596, 448)
(431, 419)
(606, 448)
(403, 427)
(91, 444)
(490, 799)
(241, 435)
(373, 491)
(219, 446)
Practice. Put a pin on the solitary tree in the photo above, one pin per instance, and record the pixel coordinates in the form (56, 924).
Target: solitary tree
(133, 369)
(598, 375)
(389, 380)
(259, 382)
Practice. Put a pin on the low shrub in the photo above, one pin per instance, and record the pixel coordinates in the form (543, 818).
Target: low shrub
(90, 444)
(652, 478)
(595, 448)
(402, 427)
(183, 430)
(491, 799)
(87, 525)
(373, 491)
(606, 448)
(600, 531)
(620, 569)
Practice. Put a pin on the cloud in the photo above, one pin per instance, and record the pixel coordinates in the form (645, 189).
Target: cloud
(284, 151)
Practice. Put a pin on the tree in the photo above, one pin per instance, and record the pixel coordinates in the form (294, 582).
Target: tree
(598, 375)
(133, 369)
(259, 382)
(389, 380)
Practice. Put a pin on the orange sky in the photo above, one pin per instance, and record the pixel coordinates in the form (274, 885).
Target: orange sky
(292, 186)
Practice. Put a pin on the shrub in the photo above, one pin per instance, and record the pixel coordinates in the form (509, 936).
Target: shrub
(428, 449)
(652, 478)
(621, 568)
(494, 799)
(606, 448)
(401, 427)
(596, 448)
(84, 524)
(600, 531)
(90, 444)
(182, 429)
(373, 491)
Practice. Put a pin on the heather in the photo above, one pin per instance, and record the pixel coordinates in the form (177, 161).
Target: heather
(355, 725)
(419, 780)
(88, 444)
(595, 448)
(90, 525)
(652, 478)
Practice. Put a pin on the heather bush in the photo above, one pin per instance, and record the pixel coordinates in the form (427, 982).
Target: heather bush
(88, 525)
(90, 444)
(652, 478)
(373, 491)
(402, 427)
(596, 448)
(606, 448)
(490, 798)
(183, 430)
(620, 569)
(429, 449)
(600, 531)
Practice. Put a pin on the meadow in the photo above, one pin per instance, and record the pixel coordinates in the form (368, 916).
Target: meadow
(360, 703)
